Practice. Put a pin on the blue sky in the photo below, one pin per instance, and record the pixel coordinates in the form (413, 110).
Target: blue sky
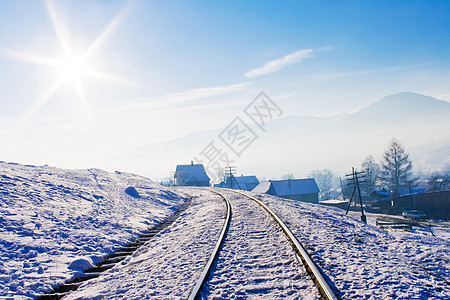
(157, 70)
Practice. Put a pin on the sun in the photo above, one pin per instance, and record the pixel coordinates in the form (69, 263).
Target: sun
(71, 68)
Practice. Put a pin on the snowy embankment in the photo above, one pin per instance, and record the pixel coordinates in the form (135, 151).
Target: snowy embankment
(54, 222)
(169, 265)
(365, 262)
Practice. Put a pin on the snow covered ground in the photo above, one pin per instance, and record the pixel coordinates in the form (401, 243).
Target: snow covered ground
(50, 218)
(169, 265)
(365, 262)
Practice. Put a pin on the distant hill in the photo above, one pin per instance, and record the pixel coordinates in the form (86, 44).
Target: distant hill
(407, 104)
(299, 144)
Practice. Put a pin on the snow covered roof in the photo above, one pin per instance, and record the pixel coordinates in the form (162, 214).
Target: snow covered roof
(246, 179)
(262, 187)
(295, 186)
(333, 201)
(414, 190)
(240, 182)
(288, 187)
(192, 172)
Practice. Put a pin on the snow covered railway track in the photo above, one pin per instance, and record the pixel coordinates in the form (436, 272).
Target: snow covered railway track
(196, 290)
(256, 259)
(325, 290)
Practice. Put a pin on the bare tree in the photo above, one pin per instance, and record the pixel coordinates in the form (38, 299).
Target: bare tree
(287, 176)
(372, 170)
(440, 181)
(221, 175)
(395, 166)
(325, 180)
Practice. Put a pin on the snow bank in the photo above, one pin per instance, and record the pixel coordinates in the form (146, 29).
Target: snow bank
(363, 261)
(167, 266)
(55, 223)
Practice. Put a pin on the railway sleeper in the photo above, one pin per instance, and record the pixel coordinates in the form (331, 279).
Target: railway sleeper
(68, 287)
(101, 268)
(55, 296)
(129, 248)
(119, 253)
(116, 259)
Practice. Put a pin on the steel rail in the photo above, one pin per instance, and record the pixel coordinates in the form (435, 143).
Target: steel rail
(215, 252)
(325, 290)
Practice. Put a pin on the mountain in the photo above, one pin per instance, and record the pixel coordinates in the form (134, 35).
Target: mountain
(299, 144)
(407, 104)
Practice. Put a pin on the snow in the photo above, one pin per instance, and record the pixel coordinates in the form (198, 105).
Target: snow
(56, 223)
(363, 261)
(167, 266)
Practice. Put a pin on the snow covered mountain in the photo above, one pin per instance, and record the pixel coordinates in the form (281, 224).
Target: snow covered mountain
(299, 144)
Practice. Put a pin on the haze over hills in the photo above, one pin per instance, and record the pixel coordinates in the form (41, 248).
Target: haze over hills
(299, 144)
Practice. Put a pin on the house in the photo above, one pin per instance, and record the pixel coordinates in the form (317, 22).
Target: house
(246, 183)
(305, 190)
(381, 195)
(191, 175)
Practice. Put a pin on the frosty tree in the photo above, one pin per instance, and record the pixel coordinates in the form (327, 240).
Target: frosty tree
(288, 176)
(372, 170)
(325, 180)
(395, 166)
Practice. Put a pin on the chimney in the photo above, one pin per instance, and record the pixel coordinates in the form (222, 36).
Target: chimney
(289, 182)
(192, 162)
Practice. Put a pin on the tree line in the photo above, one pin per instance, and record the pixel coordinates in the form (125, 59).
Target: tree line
(393, 173)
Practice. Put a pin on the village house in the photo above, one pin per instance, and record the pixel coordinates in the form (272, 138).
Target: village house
(305, 190)
(246, 183)
(191, 175)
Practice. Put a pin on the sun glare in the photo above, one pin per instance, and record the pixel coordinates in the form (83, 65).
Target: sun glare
(71, 68)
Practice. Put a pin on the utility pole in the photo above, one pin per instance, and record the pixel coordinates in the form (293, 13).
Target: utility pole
(355, 180)
(229, 173)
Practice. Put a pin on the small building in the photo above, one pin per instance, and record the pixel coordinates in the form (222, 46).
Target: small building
(191, 175)
(246, 183)
(305, 190)
(434, 204)
(380, 195)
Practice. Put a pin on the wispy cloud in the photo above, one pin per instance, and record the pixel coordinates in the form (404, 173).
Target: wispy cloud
(174, 101)
(278, 64)
(193, 94)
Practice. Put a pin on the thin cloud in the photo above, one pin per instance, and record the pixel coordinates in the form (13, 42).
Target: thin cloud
(193, 94)
(173, 101)
(278, 64)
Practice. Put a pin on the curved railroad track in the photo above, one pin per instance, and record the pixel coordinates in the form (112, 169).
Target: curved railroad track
(324, 288)
(196, 290)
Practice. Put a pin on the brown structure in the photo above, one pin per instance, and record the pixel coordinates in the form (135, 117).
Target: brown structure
(433, 204)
